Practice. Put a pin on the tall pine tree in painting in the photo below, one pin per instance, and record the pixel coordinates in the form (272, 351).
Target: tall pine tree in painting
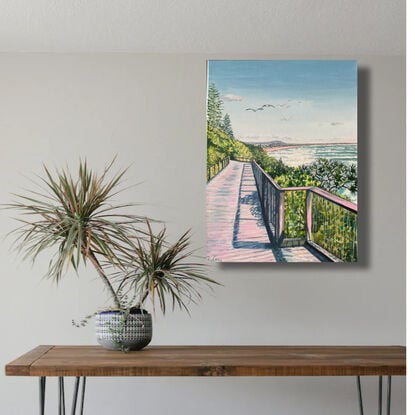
(227, 126)
(214, 107)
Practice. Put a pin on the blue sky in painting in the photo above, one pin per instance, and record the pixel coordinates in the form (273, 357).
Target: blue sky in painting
(314, 100)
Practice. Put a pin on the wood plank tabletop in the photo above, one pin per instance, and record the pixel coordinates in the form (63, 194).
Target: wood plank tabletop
(212, 361)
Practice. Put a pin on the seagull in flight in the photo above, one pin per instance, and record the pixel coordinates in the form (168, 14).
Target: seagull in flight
(260, 108)
(254, 109)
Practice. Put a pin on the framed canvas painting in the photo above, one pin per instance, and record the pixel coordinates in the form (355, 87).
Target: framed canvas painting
(282, 161)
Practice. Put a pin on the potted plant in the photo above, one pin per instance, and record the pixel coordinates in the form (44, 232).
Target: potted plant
(76, 217)
(153, 271)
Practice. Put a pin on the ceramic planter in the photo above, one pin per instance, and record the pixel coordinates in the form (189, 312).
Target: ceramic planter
(116, 330)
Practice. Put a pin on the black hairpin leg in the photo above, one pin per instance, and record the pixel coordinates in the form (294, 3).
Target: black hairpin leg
(380, 395)
(389, 393)
(359, 393)
(83, 395)
(42, 389)
(75, 396)
(61, 396)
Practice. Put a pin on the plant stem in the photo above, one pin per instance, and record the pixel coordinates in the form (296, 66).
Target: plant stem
(104, 278)
(144, 297)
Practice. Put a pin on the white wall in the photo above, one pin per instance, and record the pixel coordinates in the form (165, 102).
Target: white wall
(199, 26)
(149, 109)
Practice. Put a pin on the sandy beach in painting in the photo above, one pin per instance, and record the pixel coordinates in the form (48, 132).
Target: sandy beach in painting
(284, 147)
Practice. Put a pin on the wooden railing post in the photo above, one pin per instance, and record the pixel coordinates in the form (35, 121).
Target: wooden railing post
(281, 217)
(309, 215)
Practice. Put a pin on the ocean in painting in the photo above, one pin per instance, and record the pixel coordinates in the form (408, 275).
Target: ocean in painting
(307, 154)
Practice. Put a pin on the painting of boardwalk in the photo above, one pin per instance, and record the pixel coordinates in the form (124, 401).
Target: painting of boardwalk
(282, 161)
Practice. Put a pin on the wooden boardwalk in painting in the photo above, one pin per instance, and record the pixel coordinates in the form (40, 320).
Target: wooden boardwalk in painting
(235, 228)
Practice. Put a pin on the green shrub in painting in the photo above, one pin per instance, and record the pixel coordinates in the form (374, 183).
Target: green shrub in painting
(334, 229)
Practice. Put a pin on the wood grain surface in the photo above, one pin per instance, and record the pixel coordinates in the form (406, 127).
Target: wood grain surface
(212, 361)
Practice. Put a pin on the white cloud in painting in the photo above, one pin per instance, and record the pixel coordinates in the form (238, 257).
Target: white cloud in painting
(232, 97)
(335, 123)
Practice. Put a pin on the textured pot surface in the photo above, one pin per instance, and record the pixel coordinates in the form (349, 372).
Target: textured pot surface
(119, 331)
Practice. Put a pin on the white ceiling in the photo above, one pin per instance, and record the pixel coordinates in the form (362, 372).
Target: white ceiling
(204, 26)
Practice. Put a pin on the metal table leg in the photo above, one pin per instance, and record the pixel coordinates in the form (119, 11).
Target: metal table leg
(75, 396)
(83, 395)
(42, 389)
(61, 395)
(359, 393)
(380, 395)
(388, 402)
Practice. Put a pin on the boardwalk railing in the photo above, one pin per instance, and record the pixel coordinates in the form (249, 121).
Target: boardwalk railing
(213, 170)
(297, 215)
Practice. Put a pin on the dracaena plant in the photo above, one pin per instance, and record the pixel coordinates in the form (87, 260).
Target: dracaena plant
(155, 270)
(76, 217)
